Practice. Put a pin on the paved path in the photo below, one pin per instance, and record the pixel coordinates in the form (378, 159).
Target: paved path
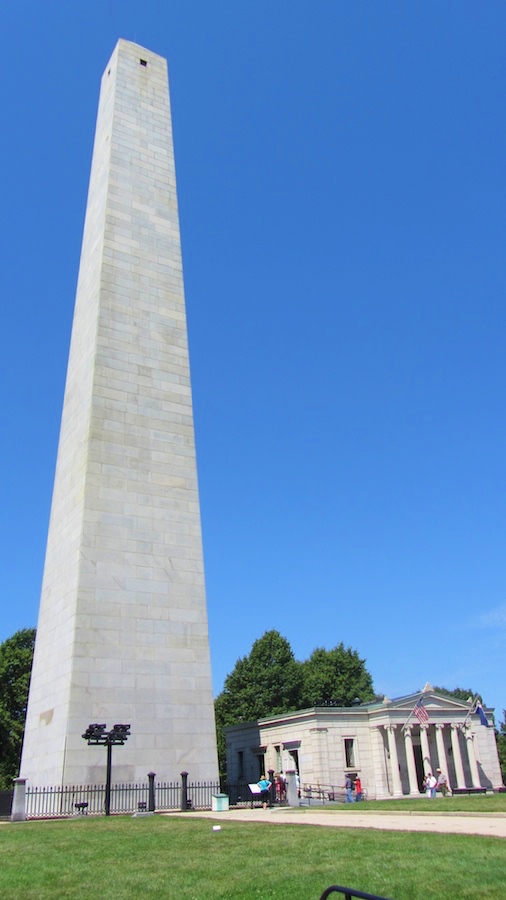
(489, 824)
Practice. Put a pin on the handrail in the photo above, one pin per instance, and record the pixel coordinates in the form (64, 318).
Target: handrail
(349, 893)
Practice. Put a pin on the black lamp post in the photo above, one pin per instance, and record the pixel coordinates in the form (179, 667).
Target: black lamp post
(97, 734)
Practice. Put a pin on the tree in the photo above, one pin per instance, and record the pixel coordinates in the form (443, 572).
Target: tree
(270, 681)
(459, 694)
(267, 681)
(16, 655)
(336, 676)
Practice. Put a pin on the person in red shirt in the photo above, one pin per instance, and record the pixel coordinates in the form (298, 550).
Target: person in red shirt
(280, 787)
(358, 789)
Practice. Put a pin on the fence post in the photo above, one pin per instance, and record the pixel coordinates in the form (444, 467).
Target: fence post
(151, 792)
(107, 802)
(184, 791)
(18, 812)
(273, 786)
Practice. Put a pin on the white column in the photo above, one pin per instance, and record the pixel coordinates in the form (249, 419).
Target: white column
(473, 765)
(380, 785)
(292, 794)
(410, 758)
(394, 760)
(424, 740)
(441, 752)
(459, 768)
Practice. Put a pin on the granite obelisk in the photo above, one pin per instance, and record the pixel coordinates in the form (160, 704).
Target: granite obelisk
(122, 633)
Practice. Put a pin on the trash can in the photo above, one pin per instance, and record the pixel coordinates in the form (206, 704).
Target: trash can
(219, 803)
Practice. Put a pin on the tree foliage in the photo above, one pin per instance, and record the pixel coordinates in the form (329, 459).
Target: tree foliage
(336, 676)
(270, 680)
(459, 693)
(266, 681)
(16, 655)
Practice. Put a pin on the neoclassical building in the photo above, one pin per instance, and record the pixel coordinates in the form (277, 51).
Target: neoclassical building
(383, 742)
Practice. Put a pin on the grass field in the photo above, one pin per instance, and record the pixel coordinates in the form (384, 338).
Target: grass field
(478, 803)
(164, 856)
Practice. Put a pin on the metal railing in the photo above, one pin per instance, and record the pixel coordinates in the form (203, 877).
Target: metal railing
(68, 800)
(54, 802)
(89, 799)
(200, 794)
(323, 793)
(239, 795)
(168, 795)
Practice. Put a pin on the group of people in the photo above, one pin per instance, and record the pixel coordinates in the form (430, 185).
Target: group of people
(353, 786)
(433, 783)
(354, 793)
(279, 784)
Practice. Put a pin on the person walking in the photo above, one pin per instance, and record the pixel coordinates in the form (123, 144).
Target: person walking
(442, 783)
(280, 787)
(358, 789)
(430, 785)
(349, 790)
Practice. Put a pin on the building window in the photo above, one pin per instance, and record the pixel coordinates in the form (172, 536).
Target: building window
(349, 753)
(240, 765)
(143, 62)
(279, 761)
(295, 756)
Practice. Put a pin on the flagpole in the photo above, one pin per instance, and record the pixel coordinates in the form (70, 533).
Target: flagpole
(474, 703)
(412, 711)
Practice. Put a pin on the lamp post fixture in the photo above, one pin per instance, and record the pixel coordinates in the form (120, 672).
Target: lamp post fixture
(98, 734)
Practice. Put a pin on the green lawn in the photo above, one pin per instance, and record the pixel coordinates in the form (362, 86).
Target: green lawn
(163, 856)
(478, 803)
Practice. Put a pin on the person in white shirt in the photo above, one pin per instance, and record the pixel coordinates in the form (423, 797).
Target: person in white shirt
(430, 785)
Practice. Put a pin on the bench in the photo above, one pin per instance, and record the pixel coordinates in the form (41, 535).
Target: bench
(466, 790)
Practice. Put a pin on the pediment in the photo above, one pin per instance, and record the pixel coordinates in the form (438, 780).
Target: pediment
(431, 700)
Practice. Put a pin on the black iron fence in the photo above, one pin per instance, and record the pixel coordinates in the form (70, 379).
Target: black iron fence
(75, 800)
(68, 800)
(168, 795)
(200, 794)
(239, 795)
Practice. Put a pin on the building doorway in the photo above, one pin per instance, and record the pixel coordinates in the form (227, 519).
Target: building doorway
(420, 774)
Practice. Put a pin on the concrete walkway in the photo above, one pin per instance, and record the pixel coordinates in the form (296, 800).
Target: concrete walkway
(489, 824)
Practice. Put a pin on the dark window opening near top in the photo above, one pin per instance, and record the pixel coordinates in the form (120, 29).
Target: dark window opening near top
(349, 753)
(143, 62)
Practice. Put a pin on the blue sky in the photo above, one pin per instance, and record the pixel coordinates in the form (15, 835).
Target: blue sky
(342, 198)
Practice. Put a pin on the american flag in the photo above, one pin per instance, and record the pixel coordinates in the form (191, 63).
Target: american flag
(420, 712)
